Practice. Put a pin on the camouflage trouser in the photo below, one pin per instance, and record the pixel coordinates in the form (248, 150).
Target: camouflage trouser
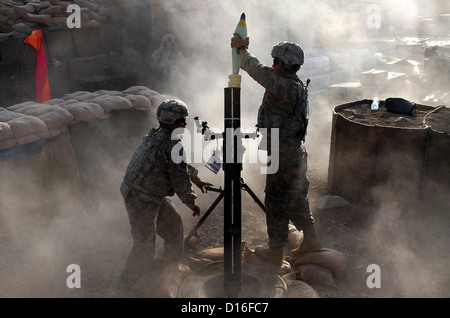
(286, 197)
(149, 217)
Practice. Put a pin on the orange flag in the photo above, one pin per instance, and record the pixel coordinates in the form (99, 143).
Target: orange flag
(42, 85)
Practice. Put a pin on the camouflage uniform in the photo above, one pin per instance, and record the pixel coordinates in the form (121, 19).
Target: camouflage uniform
(150, 178)
(287, 189)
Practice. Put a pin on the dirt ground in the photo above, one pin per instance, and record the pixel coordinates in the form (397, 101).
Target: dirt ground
(409, 256)
(410, 246)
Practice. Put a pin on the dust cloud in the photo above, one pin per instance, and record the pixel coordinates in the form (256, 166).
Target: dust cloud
(90, 228)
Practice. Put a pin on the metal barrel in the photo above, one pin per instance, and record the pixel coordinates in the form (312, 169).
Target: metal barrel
(232, 198)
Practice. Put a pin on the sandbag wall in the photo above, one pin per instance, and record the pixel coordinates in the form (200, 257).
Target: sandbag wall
(370, 163)
(65, 148)
(104, 147)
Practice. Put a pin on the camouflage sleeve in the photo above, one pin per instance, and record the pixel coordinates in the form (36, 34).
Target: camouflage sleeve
(194, 175)
(263, 74)
(179, 175)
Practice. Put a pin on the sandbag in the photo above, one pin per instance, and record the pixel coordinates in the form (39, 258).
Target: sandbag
(26, 139)
(332, 260)
(84, 111)
(7, 139)
(295, 237)
(111, 93)
(53, 116)
(62, 4)
(299, 289)
(24, 127)
(315, 274)
(400, 106)
(80, 96)
(9, 12)
(197, 263)
(147, 93)
(250, 257)
(140, 102)
(55, 101)
(169, 281)
(22, 10)
(51, 10)
(5, 131)
(70, 101)
(137, 89)
(22, 28)
(193, 241)
(44, 19)
(289, 276)
(214, 254)
(39, 5)
(110, 103)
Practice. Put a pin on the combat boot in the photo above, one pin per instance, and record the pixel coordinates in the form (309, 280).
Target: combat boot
(272, 255)
(309, 244)
(313, 245)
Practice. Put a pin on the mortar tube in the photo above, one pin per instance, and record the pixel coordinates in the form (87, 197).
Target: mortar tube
(232, 198)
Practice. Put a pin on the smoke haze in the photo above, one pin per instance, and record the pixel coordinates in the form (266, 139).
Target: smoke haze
(90, 228)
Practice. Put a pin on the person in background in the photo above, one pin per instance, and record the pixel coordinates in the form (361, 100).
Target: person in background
(168, 62)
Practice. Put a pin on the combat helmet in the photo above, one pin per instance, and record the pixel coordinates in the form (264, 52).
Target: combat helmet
(170, 110)
(289, 52)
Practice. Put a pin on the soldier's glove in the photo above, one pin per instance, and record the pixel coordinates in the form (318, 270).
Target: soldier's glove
(196, 210)
(238, 42)
(202, 184)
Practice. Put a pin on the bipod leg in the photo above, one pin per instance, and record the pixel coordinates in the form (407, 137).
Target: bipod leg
(194, 230)
(253, 195)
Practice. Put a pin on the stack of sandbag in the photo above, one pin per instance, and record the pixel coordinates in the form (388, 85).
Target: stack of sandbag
(54, 117)
(206, 256)
(78, 104)
(321, 267)
(135, 97)
(108, 100)
(298, 273)
(135, 94)
(29, 121)
(24, 128)
(24, 16)
(251, 257)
